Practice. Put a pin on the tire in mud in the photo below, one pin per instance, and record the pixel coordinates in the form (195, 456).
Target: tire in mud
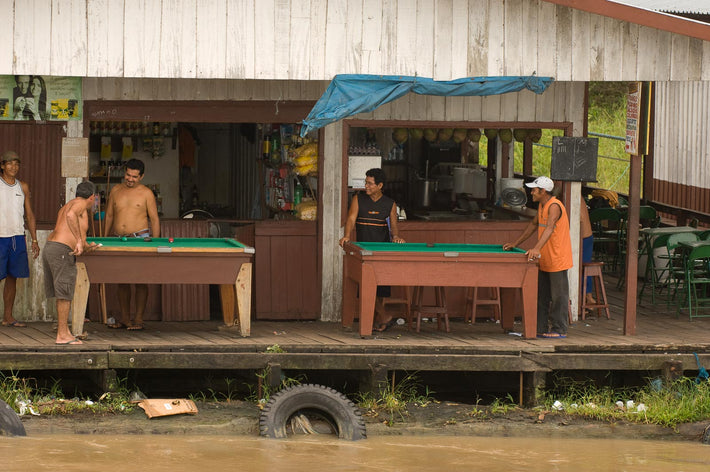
(314, 401)
(10, 423)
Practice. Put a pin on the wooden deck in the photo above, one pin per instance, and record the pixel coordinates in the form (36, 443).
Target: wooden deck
(593, 344)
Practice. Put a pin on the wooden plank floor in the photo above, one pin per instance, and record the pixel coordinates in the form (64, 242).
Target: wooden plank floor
(658, 329)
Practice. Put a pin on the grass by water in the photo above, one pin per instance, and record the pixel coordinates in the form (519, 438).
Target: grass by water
(682, 401)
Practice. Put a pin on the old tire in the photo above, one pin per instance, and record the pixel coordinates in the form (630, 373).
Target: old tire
(313, 401)
(10, 424)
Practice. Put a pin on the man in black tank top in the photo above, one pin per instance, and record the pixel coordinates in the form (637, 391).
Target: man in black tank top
(374, 217)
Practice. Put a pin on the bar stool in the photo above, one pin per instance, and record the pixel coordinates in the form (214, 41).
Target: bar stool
(381, 304)
(439, 308)
(594, 270)
(473, 301)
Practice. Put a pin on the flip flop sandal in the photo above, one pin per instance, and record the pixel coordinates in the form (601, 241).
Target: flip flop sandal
(118, 325)
(14, 324)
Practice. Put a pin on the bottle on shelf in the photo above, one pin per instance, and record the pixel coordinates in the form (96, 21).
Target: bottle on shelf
(276, 147)
(297, 193)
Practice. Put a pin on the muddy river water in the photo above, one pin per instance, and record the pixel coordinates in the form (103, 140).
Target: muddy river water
(106, 453)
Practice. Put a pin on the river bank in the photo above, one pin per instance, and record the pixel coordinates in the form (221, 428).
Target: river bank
(445, 418)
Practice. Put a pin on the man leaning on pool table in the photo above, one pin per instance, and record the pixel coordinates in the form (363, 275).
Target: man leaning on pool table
(554, 252)
(368, 214)
(65, 242)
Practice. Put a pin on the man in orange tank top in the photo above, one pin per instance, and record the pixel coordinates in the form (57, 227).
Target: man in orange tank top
(553, 252)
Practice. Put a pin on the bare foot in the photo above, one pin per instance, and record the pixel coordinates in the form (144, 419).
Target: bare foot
(69, 341)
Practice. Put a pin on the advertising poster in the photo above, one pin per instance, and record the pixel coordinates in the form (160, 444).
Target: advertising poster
(633, 115)
(40, 98)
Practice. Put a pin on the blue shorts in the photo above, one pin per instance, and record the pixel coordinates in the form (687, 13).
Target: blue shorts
(13, 258)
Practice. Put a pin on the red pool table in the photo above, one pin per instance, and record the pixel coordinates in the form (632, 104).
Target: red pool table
(226, 262)
(367, 265)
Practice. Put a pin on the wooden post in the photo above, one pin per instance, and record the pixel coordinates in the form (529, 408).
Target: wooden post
(375, 381)
(632, 245)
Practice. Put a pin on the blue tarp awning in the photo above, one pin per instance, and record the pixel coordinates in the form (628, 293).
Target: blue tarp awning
(350, 94)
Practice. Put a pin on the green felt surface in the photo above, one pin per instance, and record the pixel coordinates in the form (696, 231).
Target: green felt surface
(199, 243)
(437, 247)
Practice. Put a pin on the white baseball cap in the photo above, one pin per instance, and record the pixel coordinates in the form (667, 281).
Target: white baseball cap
(543, 183)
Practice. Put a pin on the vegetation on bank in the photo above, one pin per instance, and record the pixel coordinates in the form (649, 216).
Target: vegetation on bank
(685, 400)
(669, 405)
(23, 395)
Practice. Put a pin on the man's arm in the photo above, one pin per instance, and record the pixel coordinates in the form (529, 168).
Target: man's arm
(31, 222)
(394, 228)
(529, 230)
(350, 222)
(152, 208)
(72, 218)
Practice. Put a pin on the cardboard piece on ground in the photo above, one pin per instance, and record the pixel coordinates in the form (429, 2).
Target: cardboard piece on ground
(156, 407)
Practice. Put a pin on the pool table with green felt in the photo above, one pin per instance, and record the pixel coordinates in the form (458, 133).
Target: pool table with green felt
(367, 265)
(226, 262)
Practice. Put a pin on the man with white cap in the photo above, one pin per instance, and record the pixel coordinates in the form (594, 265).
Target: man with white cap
(553, 252)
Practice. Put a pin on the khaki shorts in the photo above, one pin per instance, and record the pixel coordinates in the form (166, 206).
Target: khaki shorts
(59, 271)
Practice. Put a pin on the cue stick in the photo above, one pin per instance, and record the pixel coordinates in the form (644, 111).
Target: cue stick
(102, 287)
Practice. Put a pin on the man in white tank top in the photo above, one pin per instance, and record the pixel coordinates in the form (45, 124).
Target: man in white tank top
(15, 207)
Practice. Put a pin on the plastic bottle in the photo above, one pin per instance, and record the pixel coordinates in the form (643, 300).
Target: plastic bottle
(297, 193)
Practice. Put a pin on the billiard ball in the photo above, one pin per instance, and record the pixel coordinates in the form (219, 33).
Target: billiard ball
(124, 239)
(170, 240)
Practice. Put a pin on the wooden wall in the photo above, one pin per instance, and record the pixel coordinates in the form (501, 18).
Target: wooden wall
(316, 39)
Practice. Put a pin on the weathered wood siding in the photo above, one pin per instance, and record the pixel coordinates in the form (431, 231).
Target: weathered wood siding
(316, 39)
(682, 145)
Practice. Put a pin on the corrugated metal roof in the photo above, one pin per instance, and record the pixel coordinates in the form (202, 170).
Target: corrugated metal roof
(701, 7)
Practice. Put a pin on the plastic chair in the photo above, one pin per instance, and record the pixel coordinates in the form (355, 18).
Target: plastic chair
(654, 271)
(606, 226)
(648, 217)
(697, 276)
(676, 265)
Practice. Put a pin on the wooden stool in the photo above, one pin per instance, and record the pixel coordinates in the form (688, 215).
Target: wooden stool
(594, 270)
(473, 302)
(439, 308)
(381, 304)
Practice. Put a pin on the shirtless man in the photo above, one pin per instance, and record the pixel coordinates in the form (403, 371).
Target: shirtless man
(132, 212)
(67, 241)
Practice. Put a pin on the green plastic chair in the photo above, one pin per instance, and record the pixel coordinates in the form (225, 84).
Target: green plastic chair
(676, 264)
(697, 276)
(648, 217)
(655, 273)
(606, 226)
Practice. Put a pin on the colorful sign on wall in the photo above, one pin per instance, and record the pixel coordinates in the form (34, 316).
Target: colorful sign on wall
(40, 98)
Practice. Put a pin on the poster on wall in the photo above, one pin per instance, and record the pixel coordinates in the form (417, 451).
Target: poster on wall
(40, 98)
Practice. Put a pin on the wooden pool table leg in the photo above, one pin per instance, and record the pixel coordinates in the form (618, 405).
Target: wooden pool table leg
(81, 297)
(226, 297)
(368, 293)
(242, 289)
(243, 286)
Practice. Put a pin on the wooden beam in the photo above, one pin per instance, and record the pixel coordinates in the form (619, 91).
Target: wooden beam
(632, 245)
